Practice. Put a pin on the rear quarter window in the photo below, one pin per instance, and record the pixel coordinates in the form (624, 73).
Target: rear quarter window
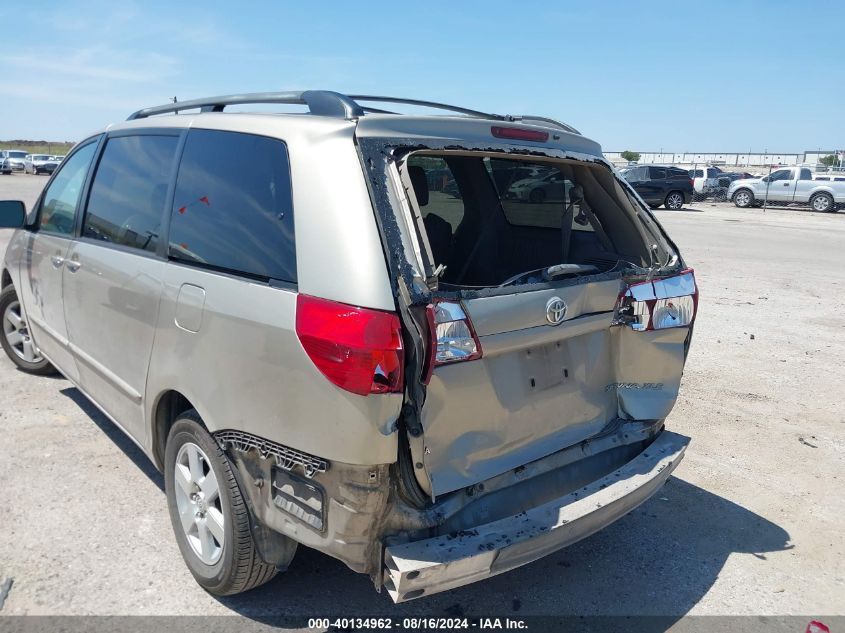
(233, 208)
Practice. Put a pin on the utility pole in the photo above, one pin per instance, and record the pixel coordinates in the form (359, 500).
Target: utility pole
(768, 184)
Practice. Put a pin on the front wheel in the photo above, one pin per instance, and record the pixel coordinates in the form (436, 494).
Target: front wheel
(537, 196)
(743, 199)
(17, 340)
(209, 515)
(822, 202)
(674, 201)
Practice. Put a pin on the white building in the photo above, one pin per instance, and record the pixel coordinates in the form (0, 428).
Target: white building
(728, 159)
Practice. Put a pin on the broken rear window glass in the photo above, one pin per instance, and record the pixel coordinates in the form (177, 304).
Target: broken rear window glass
(489, 219)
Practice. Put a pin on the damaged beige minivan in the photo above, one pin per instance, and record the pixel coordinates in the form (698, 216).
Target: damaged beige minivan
(435, 347)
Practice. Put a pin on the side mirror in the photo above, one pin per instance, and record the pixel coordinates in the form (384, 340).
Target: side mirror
(12, 214)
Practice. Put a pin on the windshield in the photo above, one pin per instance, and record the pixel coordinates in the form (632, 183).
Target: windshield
(40, 157)
(486, 222)
(17, 154)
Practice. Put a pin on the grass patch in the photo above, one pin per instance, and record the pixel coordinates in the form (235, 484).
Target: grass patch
(38, 147)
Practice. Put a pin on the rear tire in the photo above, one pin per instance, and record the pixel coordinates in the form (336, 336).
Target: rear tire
(743, 198)
(674, 200)
(208, 512)
(822, 202)
(15, 338)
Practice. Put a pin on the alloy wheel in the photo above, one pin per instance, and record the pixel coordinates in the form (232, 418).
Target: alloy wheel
(821, 203)
(674, 201)
(199, 504)
(17, 334)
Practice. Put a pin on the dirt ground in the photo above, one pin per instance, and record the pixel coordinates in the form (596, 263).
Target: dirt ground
(753, 522)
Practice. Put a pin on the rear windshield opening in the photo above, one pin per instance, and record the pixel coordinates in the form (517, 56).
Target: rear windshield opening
(494, 221)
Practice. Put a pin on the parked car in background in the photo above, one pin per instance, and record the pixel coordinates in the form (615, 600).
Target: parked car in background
(724, 180)
(549, 186)
(505, 179)
(316, 350)
(705, 181)
(790, 185)
(40, 164)
(12, 160)
(668, 186)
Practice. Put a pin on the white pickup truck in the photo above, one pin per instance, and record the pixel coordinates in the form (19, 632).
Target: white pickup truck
(793, 184)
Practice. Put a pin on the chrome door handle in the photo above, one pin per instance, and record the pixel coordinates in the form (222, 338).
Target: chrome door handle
(73, 265)
(57, 261)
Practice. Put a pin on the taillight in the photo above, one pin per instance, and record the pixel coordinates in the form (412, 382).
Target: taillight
(519, 134)
(660, 303)
(453, 338)
(357, 349)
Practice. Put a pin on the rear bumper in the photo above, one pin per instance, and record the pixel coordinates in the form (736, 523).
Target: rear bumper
(437, 564)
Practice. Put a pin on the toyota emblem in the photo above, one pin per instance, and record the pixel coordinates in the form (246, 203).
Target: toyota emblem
(555, 310)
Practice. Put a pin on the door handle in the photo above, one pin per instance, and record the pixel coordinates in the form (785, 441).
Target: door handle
(57, 261)
(786, 184)
(73, 265)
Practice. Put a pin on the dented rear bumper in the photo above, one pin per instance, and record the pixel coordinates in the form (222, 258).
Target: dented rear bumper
(424, 567)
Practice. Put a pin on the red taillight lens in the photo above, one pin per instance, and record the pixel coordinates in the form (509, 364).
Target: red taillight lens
(358, 349)
(453, 338)
(519, 134)
(660, 303)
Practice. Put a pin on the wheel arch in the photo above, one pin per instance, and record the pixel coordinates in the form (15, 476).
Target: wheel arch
(5, 279)
(820, 192)
(735, 193)
(168, 407)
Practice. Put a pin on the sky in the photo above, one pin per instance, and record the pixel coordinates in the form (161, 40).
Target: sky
(703, 76)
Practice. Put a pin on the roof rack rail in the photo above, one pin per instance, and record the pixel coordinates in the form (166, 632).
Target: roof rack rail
(323, 102)
(473, 113)
(328, 103)
(429, 104)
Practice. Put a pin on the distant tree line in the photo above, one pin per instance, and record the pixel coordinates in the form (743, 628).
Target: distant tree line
(38, 147)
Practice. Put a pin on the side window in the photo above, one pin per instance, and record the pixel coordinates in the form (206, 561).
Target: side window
(61, 199)
(233, 208)
(806, 174)
(126, 203)
(540, 202)
(437, 191)
(657, 173)
(782, 174)
(635, 174)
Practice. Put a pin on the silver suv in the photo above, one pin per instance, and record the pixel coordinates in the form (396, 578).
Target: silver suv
(346, 330)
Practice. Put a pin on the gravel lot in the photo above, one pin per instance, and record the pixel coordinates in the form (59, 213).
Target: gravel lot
(753, 522)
